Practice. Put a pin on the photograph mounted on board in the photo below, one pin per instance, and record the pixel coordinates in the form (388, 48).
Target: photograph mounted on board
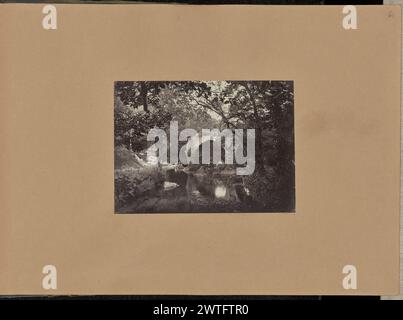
(204, 146)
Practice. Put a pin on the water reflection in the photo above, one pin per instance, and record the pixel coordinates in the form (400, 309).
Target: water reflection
(195, 192)
(220, 191)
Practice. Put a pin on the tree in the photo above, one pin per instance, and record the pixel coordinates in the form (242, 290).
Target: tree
(266, 106)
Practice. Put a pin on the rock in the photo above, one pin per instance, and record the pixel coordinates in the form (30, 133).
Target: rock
(170, 185)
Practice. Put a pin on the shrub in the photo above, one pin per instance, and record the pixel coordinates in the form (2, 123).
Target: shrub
(132, 183)
(125, 158)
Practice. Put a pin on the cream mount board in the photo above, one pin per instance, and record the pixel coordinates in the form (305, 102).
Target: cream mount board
(63, 82)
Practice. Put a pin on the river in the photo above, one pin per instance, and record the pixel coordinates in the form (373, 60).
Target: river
(185, 192)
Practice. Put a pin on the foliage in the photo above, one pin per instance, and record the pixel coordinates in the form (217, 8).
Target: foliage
(132, 126)
(132, 183)
(266, 106)
(125, 158)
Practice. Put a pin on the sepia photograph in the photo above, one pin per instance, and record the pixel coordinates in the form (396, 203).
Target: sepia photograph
(201, 159)
(204, 146)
